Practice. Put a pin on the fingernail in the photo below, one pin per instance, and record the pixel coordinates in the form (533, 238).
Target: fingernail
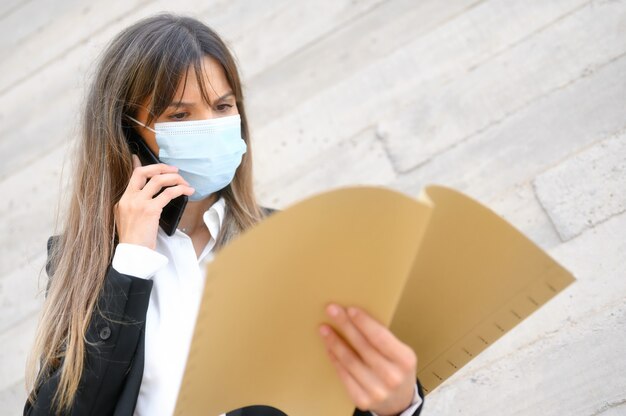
(333, 310)
(352, 312)
(324, 331)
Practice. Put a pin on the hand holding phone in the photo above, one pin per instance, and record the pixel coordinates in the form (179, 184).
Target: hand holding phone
(139, 211)
(156, 195)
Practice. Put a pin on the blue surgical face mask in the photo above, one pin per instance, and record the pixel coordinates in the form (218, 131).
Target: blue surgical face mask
(207, 153)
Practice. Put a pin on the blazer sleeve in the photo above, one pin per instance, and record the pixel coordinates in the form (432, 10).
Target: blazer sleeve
(112, 337)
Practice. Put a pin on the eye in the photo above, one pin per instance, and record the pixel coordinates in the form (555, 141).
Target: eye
(178, 116)
(224, 107)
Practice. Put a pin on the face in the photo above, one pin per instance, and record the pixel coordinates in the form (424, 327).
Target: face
(189, 105)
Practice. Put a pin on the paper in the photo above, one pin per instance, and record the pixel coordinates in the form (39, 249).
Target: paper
(446, 274)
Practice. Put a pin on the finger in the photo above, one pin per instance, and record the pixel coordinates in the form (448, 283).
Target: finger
(383, 339)
(141, 174)
(172, 192)
(158, 182)
(384, 369)
(355, 391)
(353, 364)
(136, 161)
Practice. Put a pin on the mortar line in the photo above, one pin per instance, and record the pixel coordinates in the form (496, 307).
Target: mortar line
(609, 406)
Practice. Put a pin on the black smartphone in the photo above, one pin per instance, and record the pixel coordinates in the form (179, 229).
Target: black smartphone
(174, 209)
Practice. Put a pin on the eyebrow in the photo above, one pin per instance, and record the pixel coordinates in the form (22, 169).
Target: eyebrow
(184, 104)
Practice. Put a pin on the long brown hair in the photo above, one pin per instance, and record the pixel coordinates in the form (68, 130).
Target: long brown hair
(144, 63)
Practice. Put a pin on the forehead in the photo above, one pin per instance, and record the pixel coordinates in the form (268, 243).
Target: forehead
(213, 79)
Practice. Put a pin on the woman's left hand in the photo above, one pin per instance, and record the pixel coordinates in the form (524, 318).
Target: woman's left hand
(377, 369)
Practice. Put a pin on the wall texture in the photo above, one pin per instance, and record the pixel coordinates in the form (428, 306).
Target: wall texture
(518, 104)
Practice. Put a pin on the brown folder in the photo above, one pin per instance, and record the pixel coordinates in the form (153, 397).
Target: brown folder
(446, 274)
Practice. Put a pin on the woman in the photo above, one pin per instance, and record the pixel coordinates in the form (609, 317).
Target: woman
(171, 81)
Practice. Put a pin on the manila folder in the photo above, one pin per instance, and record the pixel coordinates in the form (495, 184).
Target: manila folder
(444, 273)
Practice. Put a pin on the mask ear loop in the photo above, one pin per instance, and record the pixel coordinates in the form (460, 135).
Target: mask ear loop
(141, 124)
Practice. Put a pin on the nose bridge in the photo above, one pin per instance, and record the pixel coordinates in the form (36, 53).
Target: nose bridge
(206, 110)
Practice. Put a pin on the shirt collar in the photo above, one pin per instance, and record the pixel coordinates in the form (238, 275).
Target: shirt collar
(214, 217)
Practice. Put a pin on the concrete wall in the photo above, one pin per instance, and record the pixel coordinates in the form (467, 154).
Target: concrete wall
(518, 104)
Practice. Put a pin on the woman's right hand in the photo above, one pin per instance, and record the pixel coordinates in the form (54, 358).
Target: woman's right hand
(137, 213)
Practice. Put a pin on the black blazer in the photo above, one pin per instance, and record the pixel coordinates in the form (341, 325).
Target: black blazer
(114, 363)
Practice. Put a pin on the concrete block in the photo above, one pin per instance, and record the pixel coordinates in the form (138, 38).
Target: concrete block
(360, 160)
(531, 140)
(570, 372)
(441, 116)
(12, 398)
(22, 292)
(367, 38)
(345, 108)
(585, 189)
(519, 206)
(8, 7)
(29, 209)
(27, 20)
(16, 343)
(292, 26)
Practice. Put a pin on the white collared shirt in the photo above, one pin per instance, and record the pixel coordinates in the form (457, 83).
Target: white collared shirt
(178, 277)
(174, 302)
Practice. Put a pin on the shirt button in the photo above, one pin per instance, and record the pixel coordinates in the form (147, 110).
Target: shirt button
(105, 333)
